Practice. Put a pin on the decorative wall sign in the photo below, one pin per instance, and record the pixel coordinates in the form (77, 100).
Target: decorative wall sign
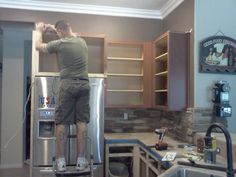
(218, 55)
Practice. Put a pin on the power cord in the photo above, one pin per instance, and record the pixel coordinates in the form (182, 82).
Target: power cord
(21, 125)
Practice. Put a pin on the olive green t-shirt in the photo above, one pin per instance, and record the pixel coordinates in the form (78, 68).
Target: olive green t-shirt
(72, 53)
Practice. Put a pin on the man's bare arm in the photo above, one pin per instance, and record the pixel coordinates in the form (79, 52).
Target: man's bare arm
(40, 28)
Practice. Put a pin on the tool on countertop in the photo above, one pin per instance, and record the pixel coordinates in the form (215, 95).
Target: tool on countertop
(161, 145)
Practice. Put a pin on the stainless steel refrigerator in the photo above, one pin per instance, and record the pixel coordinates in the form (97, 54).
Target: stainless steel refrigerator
(43, 127)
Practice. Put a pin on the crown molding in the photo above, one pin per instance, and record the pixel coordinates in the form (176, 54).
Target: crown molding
(169, 7)
(90, 9)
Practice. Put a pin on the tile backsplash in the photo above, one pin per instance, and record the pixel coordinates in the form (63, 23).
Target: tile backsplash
(183, 124)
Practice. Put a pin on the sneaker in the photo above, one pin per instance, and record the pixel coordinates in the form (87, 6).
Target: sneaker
(61, 164)
(82, 163)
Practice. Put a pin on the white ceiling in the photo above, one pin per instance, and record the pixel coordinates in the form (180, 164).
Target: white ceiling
(155, 9)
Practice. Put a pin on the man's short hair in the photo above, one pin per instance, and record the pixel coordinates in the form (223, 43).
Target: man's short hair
(62, 25)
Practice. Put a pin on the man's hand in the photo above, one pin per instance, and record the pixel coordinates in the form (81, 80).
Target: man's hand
(40, 27)
(39, 45)
(49, 27)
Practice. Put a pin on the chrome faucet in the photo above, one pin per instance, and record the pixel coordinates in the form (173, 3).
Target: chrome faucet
(230, 170)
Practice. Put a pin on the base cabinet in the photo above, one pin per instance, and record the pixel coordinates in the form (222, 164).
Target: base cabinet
(138, 159)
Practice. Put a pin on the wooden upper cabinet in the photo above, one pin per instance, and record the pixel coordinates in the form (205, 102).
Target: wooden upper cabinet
(96, 52)
(44, 64)
(170, 71)
(133, 69)
(126, 75)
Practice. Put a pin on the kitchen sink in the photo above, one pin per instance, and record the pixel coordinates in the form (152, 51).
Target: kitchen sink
(184, 171)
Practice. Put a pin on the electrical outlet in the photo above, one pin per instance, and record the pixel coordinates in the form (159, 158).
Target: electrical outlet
(126, 116)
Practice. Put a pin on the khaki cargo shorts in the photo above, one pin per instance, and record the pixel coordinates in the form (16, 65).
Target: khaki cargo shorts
(73, 101)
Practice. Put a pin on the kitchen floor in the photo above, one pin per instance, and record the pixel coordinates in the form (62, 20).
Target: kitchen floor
(15, 172)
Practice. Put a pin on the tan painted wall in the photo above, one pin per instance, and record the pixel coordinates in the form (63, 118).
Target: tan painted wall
(114, 27)
(182, 19)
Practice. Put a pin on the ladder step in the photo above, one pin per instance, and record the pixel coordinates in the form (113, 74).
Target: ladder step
(73, 172)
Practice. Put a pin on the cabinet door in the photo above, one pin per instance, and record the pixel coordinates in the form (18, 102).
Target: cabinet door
(125, 74)
(44, 64)
(170, 71)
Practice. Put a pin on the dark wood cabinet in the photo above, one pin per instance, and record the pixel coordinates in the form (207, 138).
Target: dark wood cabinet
(170, 71)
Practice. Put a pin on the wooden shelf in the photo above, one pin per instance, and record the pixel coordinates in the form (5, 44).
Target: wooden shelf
(164, 90)
(112, 90)
(121, 155)
(125, 59)
(164, 73)
(125, 74)
(162, 57)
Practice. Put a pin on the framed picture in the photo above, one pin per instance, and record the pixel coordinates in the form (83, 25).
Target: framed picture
(218, 55)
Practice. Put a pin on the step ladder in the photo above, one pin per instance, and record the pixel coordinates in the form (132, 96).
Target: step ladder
(71, 171)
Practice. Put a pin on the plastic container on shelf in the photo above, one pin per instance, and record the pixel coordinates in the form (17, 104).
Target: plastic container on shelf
(117, 169)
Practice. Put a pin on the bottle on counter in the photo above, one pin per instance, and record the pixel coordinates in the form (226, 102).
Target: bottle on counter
(213, 143)
(200, 145)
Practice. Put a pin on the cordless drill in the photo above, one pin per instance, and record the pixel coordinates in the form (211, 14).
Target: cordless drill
(161, 145)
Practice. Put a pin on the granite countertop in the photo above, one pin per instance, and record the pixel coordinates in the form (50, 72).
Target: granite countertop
(150, 139)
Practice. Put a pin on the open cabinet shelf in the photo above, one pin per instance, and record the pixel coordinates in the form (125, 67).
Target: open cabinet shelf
(162, 57)
(125, 74)
(170, 71)
(125, 59)
(110, 90)
(45, 64)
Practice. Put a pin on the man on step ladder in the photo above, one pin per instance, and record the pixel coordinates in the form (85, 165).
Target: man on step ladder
(74, 91)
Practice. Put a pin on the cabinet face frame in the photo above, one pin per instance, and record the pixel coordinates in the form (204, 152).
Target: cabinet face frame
(170, 83)
(160, 74)
(144, 162)
(98, 42)
(141, 93)
(127, 65)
